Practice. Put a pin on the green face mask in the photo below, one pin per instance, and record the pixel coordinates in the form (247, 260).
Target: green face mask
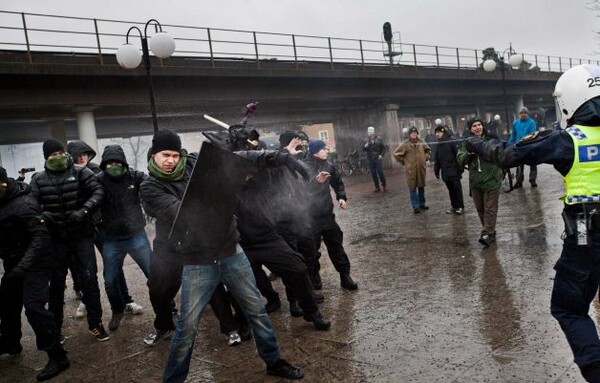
(116, 170)
(3, 190)
(57, 163)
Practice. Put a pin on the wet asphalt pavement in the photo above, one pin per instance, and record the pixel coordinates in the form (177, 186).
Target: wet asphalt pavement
(432, 306)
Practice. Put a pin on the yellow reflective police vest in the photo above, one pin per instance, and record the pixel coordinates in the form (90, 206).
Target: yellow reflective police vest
(583, 180)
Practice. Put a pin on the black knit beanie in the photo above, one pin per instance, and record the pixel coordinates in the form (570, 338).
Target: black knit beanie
(50, 146)
(165, 140)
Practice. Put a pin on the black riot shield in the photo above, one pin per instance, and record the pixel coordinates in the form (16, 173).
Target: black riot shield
(210, 197)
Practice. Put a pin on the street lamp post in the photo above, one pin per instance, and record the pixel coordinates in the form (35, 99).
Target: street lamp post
(515, 61)
(128, 55)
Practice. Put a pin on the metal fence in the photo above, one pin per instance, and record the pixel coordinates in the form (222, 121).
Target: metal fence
(35, 33)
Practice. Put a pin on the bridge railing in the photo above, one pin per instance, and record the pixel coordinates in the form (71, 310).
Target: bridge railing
(38, 33)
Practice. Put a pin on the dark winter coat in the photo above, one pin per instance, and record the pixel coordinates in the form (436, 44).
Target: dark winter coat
(122, 213)
(320, 203)
(445, 159)
(374, 147)
(60, 194)
(161, 200)
(256, 217)
(24, 239)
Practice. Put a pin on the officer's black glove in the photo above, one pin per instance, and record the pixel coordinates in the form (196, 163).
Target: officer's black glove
(473, 143)
(78, 216)
(296, 166)
(16, 274)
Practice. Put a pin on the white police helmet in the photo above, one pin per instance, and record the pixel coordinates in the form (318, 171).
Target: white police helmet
(438, 121)
(576, 86)
(497, 117)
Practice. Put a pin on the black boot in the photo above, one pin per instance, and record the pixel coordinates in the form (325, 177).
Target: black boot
(284, 369)
(316, 281)
(273, 305)
(318, 298)
(318, 321)
(57, 363)
(347, 282)
(295, 309)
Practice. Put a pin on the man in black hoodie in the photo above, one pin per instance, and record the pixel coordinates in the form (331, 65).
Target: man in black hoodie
(69, 196)
(83, 154)
(122, 227)
(27, 257)
(575, 154)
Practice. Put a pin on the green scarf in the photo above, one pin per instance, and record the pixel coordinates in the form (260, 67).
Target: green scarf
(57, 163)
(175, 175)
(116, 170)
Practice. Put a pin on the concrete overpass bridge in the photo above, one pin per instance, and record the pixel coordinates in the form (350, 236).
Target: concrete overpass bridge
(70, 90)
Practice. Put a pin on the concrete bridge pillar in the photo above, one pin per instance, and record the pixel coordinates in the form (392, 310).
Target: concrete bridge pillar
(86, 127)
(351, 129)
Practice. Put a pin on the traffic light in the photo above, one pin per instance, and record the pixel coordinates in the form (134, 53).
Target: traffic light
(387, 32)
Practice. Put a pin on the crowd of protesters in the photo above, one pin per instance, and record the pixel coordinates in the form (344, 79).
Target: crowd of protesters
(74, 208)
(282, 214)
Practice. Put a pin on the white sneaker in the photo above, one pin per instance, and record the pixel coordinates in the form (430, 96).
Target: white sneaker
(133, 308)
(81, 311)
(157, 335)
(233, 339)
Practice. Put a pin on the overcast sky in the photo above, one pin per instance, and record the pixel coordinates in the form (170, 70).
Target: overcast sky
(546, 27)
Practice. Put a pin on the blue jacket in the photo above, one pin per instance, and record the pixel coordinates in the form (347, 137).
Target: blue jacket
(522, 128)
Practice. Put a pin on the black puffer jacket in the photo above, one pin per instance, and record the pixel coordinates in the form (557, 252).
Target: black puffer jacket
(445, 159)
(60, 194)
(121, 208)
(24, 238)
(320, 201)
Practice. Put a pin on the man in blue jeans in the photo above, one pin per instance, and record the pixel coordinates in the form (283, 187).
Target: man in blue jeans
(375, 149)
(207, 259)
(523, 127)
(122, 227)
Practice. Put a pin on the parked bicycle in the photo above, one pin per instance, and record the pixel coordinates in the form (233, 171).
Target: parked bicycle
(353, 163)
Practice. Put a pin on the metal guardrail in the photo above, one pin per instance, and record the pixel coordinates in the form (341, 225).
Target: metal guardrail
(32, 32)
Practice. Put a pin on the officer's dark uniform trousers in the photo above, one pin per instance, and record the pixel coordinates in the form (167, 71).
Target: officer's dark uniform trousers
(575, 285)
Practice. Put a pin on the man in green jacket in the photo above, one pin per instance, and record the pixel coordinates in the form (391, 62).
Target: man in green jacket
(485, 179)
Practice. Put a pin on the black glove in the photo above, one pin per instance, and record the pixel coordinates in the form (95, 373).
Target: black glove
(49, 217)
(296, 166)
(472, 143)
(15, 274)
(78, 216)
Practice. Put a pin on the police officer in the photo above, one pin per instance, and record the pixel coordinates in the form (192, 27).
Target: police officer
(575, 154)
